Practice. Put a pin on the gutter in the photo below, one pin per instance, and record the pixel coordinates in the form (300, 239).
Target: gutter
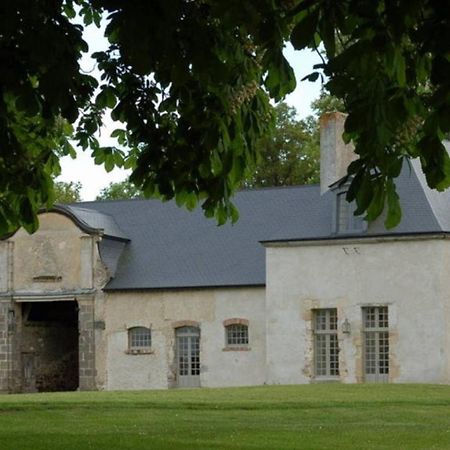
(333, 240)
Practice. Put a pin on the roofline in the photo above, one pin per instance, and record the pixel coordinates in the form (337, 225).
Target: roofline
(66, 211)
(184, 288)
(243, 190)
(355, 237)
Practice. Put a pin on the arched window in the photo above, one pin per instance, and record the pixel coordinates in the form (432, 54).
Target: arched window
(139, 339)
(236, 333)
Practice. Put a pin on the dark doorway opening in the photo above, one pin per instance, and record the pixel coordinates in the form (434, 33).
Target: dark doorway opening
(49, 346)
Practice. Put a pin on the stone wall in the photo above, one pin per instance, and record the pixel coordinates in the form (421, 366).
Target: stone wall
(86, 344)
(161, 311)
(57, 263)
(5, 350)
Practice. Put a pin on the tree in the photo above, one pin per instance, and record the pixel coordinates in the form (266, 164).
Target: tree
(327, 103)
(67, 192)
(120, 190)
(290, 155)
(189, 84)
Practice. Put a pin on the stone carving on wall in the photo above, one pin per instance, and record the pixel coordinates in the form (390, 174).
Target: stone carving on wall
(45, 261)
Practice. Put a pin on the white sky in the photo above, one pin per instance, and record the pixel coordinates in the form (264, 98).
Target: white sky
(94, 178)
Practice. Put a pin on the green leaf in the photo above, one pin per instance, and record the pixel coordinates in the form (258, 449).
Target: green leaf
(28, 215)
(280, 79)
(311, 77)
(364, 194)
(400, 68)
(69, 11)
(216, 163)
(303, 33)
(106, 98)
(394, 212)
(376, 206)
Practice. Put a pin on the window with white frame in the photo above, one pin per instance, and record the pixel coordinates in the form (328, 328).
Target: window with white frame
(376, 343)
(326, 348)
(236, 334)
(139, 339)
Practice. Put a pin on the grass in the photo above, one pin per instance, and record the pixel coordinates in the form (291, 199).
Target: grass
(326, 416)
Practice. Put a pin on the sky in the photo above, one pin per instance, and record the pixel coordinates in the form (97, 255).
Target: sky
(94, 178)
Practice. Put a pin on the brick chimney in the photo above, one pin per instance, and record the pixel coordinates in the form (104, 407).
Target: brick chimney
(335, 155)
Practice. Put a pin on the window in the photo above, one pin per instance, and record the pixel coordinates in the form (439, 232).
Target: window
(376, 343)
(346, 221)
(326, 349)
(236, 334)
(139, 340)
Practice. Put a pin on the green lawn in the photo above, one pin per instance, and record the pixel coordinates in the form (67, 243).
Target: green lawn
(276, 417)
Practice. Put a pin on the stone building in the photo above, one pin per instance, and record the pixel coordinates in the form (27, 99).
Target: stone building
(141, 294)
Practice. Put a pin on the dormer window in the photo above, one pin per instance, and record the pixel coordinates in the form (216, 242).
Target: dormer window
(346, 221)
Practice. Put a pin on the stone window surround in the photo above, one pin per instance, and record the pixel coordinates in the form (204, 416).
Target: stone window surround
(185, 323)
(235, 348)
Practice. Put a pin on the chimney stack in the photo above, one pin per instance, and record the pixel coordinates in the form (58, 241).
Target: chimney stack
(335, 155)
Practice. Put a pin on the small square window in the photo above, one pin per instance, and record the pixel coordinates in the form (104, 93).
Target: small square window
(139, 338)
(236, 335)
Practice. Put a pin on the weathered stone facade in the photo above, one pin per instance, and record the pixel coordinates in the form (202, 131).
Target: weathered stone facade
(47, 299)
(60, 264)
(52, 307)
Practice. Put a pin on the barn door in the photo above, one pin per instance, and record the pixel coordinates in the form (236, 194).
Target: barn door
(188, 356)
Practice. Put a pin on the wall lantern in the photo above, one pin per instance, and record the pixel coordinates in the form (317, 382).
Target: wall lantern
(346, 328)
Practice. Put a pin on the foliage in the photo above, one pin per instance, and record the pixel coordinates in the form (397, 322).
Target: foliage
(290, 154)
(189, 83)
(67, 192)
(120, 190)
(338, 417)
(327, 103)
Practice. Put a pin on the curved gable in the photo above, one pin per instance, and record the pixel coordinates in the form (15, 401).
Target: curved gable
(59, 256)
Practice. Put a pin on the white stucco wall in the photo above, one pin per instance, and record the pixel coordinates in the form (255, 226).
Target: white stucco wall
(160, 310)
(409, 276)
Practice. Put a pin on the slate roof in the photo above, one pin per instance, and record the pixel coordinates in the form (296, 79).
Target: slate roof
(170, 247)
(97, 220)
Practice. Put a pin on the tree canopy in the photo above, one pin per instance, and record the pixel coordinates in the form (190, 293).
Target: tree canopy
(290, 154)
(67, 192)
(120, 190)
(189, 85)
